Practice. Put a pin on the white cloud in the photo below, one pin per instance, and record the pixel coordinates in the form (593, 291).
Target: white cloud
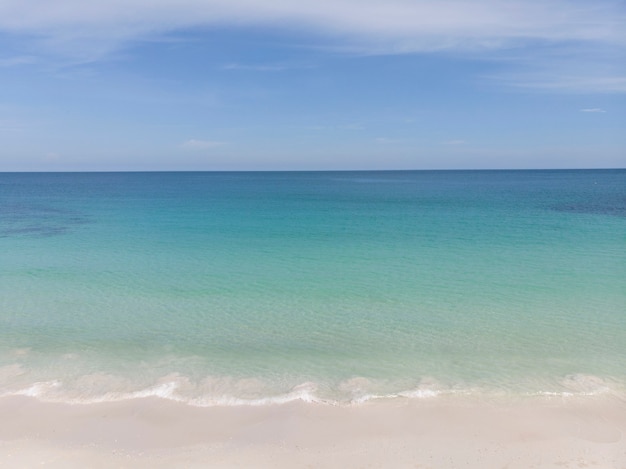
(595, 109)
(254, 68)
(386, 141)
(575, 32)
(455, 142)
(585, 82)
(384, 25)
(353, 126)
(17, 61)
(574, 67)
(194, 144)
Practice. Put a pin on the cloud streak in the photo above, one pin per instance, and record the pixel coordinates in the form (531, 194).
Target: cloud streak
(391, 25)
(573, 30)
(254, 67)
(194, 144)
(17, 61)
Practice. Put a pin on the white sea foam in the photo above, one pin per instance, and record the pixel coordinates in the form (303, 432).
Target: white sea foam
(39, 390)
(420, 393)
(228, 391)
(304, 392)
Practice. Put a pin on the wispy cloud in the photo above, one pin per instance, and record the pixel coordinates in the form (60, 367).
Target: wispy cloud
(454, 142)
(17, 61)
(570, 67)
(583, 82)
(386, 141)
(194, 144)
(387, 25)
(577, 31)
(254, 67)
(353, 126)
(594, 109)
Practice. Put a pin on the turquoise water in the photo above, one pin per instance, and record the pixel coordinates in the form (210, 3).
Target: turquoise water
(231, 288)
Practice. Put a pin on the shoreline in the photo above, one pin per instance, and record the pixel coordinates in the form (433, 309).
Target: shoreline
(443, 432)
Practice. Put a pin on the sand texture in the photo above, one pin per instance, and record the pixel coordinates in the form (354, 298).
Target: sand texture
(437, 433)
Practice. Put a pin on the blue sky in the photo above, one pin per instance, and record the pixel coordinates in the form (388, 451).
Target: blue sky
(279, 85)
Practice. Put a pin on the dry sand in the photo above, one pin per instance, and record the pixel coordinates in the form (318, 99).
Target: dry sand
(444, 432)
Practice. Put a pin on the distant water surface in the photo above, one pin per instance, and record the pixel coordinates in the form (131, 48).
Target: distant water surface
(235, 288)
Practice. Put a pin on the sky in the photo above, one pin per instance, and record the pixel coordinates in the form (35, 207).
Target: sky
(311, 84)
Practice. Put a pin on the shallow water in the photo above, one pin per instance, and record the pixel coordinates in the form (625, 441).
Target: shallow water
(335, 286)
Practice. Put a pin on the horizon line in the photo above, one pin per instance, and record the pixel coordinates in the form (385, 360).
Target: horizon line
(95, 171)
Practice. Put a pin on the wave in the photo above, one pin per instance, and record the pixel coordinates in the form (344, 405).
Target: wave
(349, 393)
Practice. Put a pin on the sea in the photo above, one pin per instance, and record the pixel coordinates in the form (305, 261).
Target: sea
(258, 288)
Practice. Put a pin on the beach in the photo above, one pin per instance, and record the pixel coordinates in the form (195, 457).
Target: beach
(439, 433)
(332, 319)
(333, 234)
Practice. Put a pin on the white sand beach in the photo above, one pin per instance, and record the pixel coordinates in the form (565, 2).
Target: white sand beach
(444, 432)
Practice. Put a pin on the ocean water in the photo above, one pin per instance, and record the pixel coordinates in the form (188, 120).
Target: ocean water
(338, 287)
